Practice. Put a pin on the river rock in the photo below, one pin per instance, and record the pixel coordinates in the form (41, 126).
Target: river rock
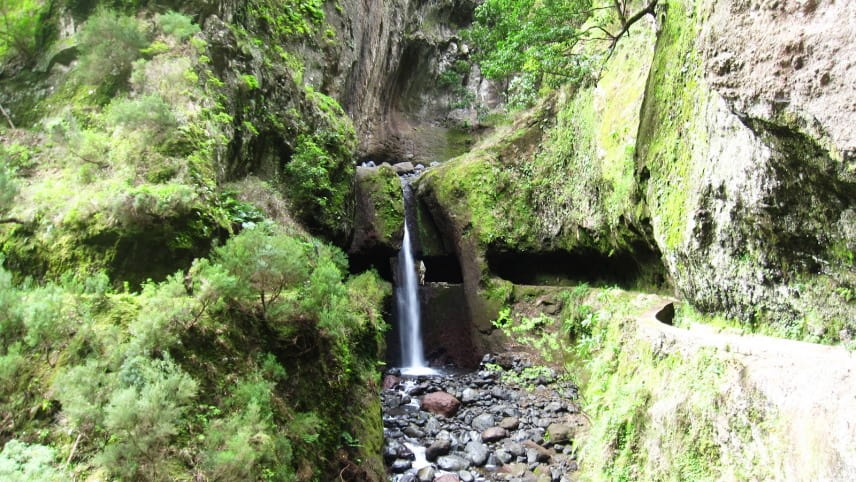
(483, 422)
(477, 452)
(514, 448)
(534, 456)
(447, 478)
(466, 476)
(441, 403)
(432, 426)
(390, 381)
(493, 434)
(453, 463)
(503, 456)
(426, 474)
(403, 168)
(470, 395)
(400, 465)
(439, 447)
(559, 433)
(509, 423)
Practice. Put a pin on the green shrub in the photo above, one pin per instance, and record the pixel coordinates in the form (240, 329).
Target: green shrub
(165, 312)
(109, 45)
(22, 462)
(149, 114)
(265, 264)
(8, 189)
(143, 416)
(177, 24)
(236, 446)
(20, 21)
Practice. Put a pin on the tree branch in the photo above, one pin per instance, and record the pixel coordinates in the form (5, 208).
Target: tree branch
(6, 115)
(88, 160)
(626, 24)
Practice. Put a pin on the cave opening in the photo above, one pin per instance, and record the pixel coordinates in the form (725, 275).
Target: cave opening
(642, 267)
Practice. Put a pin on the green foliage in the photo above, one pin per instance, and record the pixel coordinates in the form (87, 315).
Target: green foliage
(177, 24)
(144, 415)
(8, 189)
(109, 44)
(527, 36)
(148, 114)
(251, 81)
(316, 182)
(22, 462)
(265, 265)
(288, 19)
(20, 22)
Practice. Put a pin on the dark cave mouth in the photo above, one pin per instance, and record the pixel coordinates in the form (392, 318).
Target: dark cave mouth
(641, 268)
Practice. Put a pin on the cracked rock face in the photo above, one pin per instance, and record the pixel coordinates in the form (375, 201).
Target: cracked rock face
(787, 60)
(384, 66)
(768, 160)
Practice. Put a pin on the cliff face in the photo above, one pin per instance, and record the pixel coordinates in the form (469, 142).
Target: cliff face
(734, 164)
(750, 177)
(385, 69)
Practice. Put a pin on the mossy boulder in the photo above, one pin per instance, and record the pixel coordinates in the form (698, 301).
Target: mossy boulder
(379, 214)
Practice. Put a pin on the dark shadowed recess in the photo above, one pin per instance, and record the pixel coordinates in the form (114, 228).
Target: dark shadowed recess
(643, 267)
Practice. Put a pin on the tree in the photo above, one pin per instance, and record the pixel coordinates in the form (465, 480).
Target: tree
(548, 38)
(264, 265)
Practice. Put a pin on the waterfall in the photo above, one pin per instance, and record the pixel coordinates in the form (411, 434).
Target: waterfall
(407, 299)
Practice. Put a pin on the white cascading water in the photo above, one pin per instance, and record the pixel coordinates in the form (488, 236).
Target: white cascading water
(407, 302)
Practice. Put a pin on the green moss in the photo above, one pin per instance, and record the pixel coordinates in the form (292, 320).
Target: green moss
(382, 186)
(562, 175)
(671, 129)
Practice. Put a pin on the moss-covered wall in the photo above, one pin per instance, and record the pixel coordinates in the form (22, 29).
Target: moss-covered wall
(747, 212)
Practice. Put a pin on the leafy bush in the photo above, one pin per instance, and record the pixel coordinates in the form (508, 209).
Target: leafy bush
(165, 312)
(109, 45)
(144, 414)
(22, 462)
(8, 189)
(177, 24)
(20, 21)
(148, 115)
(236, 446)
(265, 263)
(315, 182)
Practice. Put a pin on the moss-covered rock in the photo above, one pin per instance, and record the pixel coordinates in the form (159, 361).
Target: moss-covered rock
(748, 210)
(379, 214)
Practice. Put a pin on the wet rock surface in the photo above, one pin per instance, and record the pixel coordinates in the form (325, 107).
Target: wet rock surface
(506, 428)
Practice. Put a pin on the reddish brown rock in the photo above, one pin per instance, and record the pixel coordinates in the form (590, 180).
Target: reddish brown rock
(493, 434)
(440, 403)
(390, 381)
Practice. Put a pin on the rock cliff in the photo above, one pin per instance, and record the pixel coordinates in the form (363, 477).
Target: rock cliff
(732, 163)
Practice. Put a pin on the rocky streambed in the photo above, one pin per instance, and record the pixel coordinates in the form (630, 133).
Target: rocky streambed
(508, 421)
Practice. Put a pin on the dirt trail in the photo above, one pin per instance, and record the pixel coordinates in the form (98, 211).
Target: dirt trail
(812, 388)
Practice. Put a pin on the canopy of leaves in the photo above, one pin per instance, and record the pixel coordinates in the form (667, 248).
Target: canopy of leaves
(532, 36)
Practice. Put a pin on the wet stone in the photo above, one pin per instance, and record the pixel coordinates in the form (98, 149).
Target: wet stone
(400, 465)
(426, 474)
(483, 422)
(453, 463)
